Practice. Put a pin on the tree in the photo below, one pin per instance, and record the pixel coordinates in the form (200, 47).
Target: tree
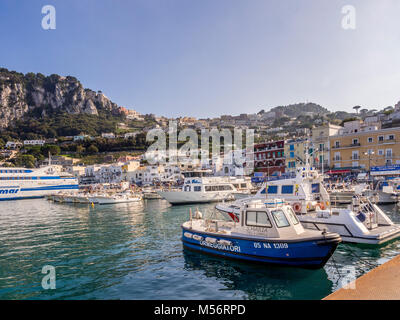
(357, 108)
(53, 149)
(80, 149)
(25, 160)
(93, 149)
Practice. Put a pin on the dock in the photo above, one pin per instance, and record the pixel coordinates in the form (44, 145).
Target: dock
(381, 283)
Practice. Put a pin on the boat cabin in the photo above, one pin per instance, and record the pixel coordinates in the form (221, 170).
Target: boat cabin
(273, 219)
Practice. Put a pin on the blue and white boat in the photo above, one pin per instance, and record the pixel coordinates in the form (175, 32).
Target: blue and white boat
(24, 183)
(266, 232)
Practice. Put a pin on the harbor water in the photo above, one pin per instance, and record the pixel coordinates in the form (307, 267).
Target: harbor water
(134, 251)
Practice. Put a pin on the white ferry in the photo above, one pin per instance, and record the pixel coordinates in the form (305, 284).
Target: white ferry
(24, 183)
(200, 188)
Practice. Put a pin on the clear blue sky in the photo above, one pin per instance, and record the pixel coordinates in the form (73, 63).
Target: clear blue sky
(205, 58)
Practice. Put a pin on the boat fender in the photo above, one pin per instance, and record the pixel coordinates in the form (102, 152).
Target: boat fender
(211, 240)
(225, 242)
(197, 237)
(188, 235)
(297, 207)
(321, 205)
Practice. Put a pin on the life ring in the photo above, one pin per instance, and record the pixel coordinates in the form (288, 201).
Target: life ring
(297, 207)
(321, 205)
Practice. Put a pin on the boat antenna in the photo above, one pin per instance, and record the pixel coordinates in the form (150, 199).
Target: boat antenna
(49, 158)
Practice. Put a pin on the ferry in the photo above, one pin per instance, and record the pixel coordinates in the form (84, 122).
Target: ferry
(199, 187)
(266, 232)
(24, 183)
(361, 221)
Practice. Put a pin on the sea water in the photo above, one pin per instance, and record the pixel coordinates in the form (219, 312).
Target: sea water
(134, 251)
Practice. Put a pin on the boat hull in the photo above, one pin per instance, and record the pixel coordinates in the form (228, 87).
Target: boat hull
(305, 254)
(179, 197)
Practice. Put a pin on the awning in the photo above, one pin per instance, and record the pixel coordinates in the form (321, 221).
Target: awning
(338, 171)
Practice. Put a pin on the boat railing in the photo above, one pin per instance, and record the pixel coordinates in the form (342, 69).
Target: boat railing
(363, 206)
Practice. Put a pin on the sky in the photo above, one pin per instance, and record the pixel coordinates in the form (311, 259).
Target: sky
(205, 58)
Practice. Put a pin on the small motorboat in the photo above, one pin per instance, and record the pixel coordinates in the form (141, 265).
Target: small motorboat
(266, 232)
(118, 198)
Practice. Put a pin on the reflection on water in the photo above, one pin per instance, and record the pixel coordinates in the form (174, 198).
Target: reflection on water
(133, 251)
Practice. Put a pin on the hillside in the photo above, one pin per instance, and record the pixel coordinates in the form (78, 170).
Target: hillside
(298, 109)
(23, 97)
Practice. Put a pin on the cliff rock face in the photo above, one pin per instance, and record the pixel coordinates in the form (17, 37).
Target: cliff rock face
(23, 95)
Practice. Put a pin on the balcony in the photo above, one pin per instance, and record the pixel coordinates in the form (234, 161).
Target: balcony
(353, 145)
(388, 141)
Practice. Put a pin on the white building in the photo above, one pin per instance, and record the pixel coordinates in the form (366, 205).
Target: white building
(13, 145)
(130, 135)
(108, 135)
(34, 142)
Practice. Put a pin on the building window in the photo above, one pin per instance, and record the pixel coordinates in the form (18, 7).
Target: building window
(291, 154)
(391, 137)
(291, 147)
(380, 152)
(370, 140)
(355, 141)
(337, 144)
(380, 138)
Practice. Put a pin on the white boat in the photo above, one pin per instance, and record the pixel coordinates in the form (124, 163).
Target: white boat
(359, 222)
(385, 192)
(198, 188)
(24, 183)
(150, 193)
(118, 198)
(243, 186)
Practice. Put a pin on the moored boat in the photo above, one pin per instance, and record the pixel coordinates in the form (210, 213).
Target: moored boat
(268, 233)
(361, 221)
(198, 187)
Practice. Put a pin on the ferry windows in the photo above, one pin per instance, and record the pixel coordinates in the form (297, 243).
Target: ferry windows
(280, 218)
(197, 188)
(243, 185)
(287, 189)
(292, 216)
(259, 219)
(273, 189)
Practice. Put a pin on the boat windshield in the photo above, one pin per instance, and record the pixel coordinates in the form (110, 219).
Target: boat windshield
(292, 216)
(280, 218)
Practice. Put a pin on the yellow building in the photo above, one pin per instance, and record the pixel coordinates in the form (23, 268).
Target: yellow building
(364, 147)
(294, 151)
